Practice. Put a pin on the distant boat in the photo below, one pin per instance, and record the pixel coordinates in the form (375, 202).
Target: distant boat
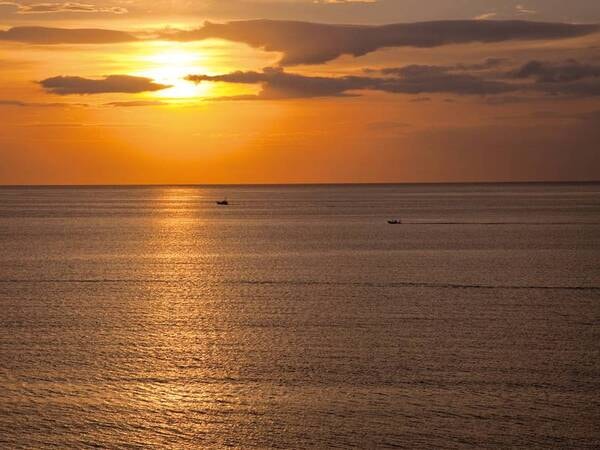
(223, 203)
(395, 222)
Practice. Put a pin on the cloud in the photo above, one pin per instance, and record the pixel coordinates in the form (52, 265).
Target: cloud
(312, 43)
(24, 104)
(533, 80)
(569, 78)
(549, 72)
(135, 103)
(306, 42)
(417, 69)
(278, 84)
(419, 79)
(74, 7)
(489, 63)
(66, 85)
(581, 88)
(46, 35)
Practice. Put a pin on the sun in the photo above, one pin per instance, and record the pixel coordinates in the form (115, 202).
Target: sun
(170, 64)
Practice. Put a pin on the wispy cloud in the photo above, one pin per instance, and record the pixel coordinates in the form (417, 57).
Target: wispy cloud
(136, 103)
(48, 35)
(25, 104)
(62, 7)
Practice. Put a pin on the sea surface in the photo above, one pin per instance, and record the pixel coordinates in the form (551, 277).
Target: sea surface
(297, 317)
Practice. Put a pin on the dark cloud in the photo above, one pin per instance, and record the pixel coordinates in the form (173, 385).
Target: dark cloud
(276, 83)
(570, 77)
(589, 87)
(64, 85)
(312, 43)
(535, 79)
(45, 35)
(549, 72)
(487, 64)
(432, 79)
(566, 78)
(374, 12)
(501, 100)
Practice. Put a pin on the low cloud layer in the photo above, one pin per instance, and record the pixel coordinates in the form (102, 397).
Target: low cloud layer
(137, 103)
(570, 77)
(557, 72)
(62, 7)
(277, 84)
(311, 43)
(46, 35)
(65, 85)
(574, 79)
(24, 104)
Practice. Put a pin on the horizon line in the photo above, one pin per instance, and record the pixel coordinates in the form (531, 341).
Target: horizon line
(382, 183)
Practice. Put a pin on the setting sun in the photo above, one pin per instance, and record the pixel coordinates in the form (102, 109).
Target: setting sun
(169, 63)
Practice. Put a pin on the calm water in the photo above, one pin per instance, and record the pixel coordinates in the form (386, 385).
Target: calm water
(297, 317)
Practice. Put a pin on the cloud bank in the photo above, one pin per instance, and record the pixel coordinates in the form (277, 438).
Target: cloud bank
(572, 79)
(47, 35)
(312, 43)
(278, 84)
(63, 7)
(67, 85)
(553, 72)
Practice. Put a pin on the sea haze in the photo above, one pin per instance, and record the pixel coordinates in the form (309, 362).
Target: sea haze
(150, 317)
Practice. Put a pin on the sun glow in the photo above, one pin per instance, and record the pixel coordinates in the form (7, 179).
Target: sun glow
(169, 64)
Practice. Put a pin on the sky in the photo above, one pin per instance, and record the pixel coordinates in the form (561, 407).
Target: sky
(299, 91)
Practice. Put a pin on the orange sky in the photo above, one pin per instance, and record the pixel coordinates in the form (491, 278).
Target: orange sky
(278, 102)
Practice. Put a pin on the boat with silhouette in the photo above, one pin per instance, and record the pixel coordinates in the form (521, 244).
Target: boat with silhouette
(222, 202)
(395, 222)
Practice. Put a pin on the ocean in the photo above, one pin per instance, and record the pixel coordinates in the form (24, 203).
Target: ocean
(297, 317)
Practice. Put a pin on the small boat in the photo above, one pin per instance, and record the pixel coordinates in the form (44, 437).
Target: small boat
(223, 203)
(395, 222)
